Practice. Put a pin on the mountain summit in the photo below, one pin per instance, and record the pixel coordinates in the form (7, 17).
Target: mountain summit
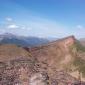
(56, 54)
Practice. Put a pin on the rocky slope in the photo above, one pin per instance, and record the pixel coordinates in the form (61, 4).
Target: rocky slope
(56, 54)
(55, 63)
(11, 51)
(66, 54)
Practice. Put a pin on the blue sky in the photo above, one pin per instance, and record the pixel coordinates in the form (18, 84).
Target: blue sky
(43, 18)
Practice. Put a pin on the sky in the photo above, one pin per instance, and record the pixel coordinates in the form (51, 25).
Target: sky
(43, 18)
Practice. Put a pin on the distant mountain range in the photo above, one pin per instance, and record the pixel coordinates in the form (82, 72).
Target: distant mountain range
(9, 38)
(30, 41)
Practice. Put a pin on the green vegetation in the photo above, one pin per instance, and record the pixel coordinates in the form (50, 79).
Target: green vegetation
(79, 47)
(78, 62)
(80, 65)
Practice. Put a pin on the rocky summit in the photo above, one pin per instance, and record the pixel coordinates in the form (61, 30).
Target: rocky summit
(60, 62)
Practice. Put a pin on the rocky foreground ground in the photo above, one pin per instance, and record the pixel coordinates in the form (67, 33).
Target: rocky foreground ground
(28, 72)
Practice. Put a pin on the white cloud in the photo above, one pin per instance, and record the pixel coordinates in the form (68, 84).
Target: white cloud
(79, 26)
(25, 27)
(10, 24)
(8, 18)
(13, 26)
